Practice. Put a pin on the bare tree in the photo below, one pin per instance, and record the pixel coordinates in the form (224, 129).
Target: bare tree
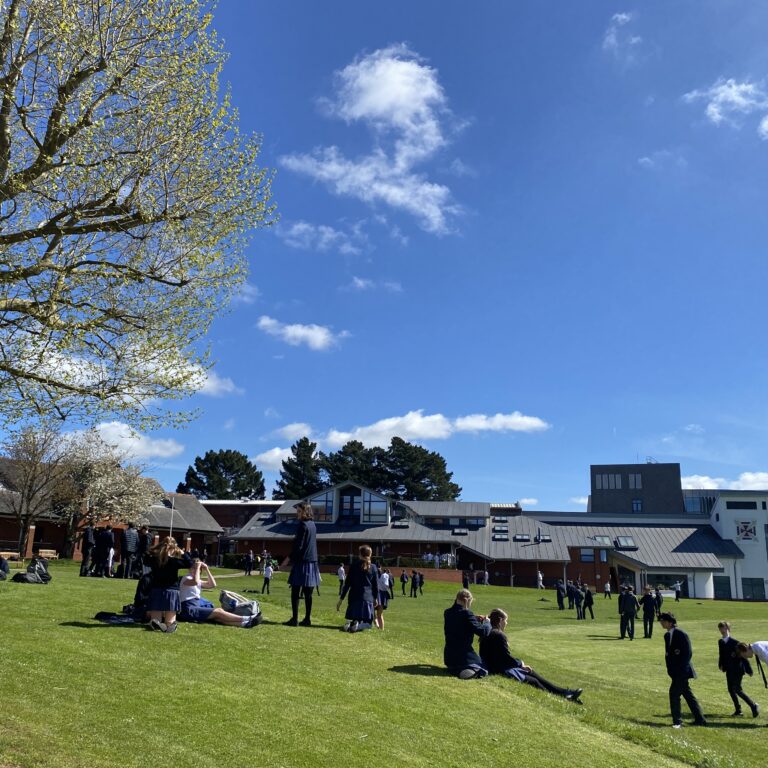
(126, 193)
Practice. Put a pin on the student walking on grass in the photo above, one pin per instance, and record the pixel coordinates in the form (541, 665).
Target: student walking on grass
(735, 667)
(305, 573)
(362, 586)
(678, 653)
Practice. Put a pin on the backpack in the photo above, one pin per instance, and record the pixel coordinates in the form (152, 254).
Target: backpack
(27, 578)
(39, 568)
(237, 604)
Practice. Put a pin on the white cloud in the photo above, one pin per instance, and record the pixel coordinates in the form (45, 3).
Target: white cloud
(214, 385)
(662, 159)
(728, 100)
(294, 431)
(248, 293)
(272, 459)
(580, 500)
(134, 444)
(393, 286)
(414, 425)
(398, 96)
(460, 169)
(619, 41)
(271, 413)
(528, 502)
(500, 422)
(321, 237)
(694, 429)
(748, 481)
(229, 425)
(359, 284)
(316, 337)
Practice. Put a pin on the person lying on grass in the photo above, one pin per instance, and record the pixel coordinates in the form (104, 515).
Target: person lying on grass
(197, 609)
(494, 651)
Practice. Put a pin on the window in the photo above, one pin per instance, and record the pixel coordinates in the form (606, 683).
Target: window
(499, 519)
(746, 530)
(753, 589)
(603, 555)
(460, 531)
(322, 507)
(500, 537)
(635, 482)
(603, 541)
(545, 538)
(587, 555)
(608, 482)
(521, 537)
(625, 542)
(479, 521)
(501, 529)
(454, 521)
(741, 505)
(374, 508)
(763, 505)
(637, 505)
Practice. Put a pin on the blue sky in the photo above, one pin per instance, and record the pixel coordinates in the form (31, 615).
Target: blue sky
(530, 236)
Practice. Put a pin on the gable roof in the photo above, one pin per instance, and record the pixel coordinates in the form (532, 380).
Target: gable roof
(188, 514)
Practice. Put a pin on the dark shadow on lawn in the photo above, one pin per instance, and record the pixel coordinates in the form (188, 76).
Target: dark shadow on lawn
(426, 670)
(101, 625)
(604, 637)
(735, 723)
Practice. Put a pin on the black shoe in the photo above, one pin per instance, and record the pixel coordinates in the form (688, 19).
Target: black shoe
(573, 695)
(739, 713)
(169, 628)
(701, 722)
(305, 622)
(291, 623)
(755, 710)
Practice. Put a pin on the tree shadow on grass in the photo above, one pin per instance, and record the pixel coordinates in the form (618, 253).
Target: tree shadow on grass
(733, 723)
(425, 670)
(101, 625)
(604, 637)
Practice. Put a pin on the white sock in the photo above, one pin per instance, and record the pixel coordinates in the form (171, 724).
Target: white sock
(244, 621)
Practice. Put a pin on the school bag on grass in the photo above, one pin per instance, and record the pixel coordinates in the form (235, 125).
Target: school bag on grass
(237, 604)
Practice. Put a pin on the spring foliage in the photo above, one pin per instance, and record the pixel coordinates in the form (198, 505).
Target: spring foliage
(126, 195)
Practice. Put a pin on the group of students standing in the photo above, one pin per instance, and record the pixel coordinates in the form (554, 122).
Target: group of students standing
(579, 596)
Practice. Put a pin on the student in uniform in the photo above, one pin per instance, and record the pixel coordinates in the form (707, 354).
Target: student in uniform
(735, 667)
(648, 604)
(678, 653)
(403, 580)
(494, 651)
(460, 626)
(268, 572)
(659, 599)
(384, 586)
(560, 595)
(628, 608)
(165, 560)
(589, 601)
(362, 585)
(305, 573)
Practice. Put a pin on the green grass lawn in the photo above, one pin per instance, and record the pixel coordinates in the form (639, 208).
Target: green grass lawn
(79, 693)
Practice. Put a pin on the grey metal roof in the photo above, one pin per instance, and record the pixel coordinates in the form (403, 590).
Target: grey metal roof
(449, 508)
(188, 515)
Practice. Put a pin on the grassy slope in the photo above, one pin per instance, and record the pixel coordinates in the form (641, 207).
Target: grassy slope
(77, 693)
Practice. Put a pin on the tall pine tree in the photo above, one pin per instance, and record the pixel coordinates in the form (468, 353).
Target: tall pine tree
(416, 474)
(355, 463)
(300, 475)
(224, 474)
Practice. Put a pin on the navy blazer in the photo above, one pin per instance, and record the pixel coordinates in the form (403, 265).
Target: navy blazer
(361, 584)
(305, 543)
(461, 625)
(678, 655)
(494, 651)
(729, 661)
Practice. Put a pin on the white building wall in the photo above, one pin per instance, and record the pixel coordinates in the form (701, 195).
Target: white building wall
(702, 585)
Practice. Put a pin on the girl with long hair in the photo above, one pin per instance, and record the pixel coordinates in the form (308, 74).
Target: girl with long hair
(305, 572)
(165, 560)
(362, 586)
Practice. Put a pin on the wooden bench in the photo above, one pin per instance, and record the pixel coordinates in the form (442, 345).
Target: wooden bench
(49, 554)
(14, 559)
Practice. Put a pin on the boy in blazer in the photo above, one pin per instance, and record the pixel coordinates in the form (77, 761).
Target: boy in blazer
(678, 653)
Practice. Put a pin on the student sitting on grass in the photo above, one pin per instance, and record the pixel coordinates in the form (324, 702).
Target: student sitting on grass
(197, 609)
(165, 560)
(461, 625)
(494, 650)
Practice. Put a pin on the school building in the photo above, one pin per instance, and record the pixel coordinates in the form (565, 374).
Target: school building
(640, 527)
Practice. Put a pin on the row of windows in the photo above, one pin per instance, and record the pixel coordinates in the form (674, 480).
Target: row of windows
(588, 555)
(612, 482)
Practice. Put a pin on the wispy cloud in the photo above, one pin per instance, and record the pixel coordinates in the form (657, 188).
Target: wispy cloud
(360, 284)
(619, 41)
(694, 429)
(214, 385)
(247, 294)
(528, 502)
(728, 101)
(582, 501)
(415, 425)
(136, 445)
(321, 237)
(317, 337)
(398, 96)
(661, 160)
(747, 481)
